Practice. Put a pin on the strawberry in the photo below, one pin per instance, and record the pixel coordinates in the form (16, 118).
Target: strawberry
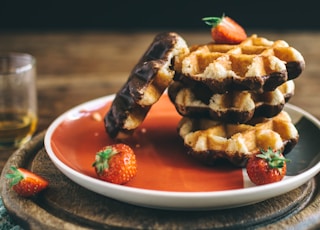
(115, 163)
(25, 182)
(225, 30)
(267, 167)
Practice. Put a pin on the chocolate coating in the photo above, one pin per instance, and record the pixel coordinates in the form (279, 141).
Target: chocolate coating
(144, 86)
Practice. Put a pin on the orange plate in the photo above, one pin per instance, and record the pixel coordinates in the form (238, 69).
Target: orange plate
(163, 163)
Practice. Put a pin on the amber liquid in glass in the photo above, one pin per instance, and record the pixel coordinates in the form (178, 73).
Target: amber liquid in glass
(16, 128)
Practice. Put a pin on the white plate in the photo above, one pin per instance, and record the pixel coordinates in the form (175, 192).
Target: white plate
(304, 165)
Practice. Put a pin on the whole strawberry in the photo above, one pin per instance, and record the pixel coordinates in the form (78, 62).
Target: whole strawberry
(267, 167)
(116, 163)
(25, 182)
(225, 30)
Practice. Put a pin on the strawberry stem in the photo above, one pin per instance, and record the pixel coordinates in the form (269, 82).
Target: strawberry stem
(102, 158)
(274, 159)
(213, 21)
(16, 176)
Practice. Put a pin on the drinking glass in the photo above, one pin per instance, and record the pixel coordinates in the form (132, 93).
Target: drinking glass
(18, 99)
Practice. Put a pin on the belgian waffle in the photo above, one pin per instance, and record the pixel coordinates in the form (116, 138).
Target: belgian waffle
(255, 64)
(209, 140)
(231, 107)
(146, 83)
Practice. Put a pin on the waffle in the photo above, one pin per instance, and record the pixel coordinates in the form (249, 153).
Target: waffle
(144, 86)
(256, 64)
(209, 140)
(231, 107)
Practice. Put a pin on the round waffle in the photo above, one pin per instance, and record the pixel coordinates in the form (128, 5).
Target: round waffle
(146, 83)
(209, 140)
(231, 107)
(255, 64)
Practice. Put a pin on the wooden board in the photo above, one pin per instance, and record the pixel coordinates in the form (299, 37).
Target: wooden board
(66, 205)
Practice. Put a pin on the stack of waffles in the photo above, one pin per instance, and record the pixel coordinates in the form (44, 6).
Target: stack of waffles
(232, 97)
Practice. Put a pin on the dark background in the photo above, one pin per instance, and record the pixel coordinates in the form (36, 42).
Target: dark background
(127, 15)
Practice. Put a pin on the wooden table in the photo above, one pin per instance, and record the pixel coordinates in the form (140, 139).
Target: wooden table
(77, 66)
